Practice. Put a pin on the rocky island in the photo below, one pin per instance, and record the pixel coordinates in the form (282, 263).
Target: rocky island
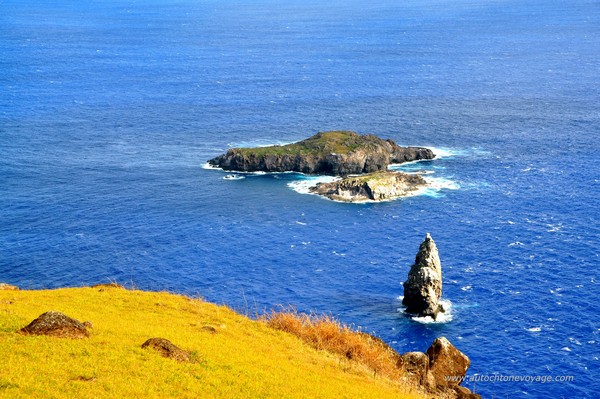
(378, 186)
(336, 153)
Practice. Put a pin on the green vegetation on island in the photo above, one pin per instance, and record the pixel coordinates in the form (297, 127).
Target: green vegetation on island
(337, 153)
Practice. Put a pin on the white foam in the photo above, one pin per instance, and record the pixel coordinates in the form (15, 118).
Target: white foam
(206, 165)
(434, 186)
(534, 329)
(445, 152)
(449, 152)
(442, 318)
(233, 177)
(441, 183)
(303, 185)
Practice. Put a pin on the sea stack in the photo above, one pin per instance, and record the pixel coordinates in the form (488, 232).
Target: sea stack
(423, 288)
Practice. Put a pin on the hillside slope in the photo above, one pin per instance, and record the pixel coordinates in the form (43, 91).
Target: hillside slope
(235, 357)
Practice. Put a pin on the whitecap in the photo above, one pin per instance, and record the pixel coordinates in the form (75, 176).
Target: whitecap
(554, 227)
(440, 183)
(233, 177)
(300, 223)
(534, 329)
(206, 165)
(566, 349)
(447, 152)
(516, 244)
(435, 185)
(442, 318)
(303, 185)
(467, 288)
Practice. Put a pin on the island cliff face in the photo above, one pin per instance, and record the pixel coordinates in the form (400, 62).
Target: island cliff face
(378, 186)
(337, 153)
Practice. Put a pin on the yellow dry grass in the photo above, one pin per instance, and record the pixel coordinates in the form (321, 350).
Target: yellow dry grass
(326, 333)
(244, 358)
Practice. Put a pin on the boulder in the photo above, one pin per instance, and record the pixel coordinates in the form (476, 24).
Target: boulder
(56, 324)
(423, 288)
(417, 364)
(8, 287)
(167, 349)
(447, 364)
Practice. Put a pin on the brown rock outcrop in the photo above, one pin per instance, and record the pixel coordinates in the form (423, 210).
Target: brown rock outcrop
(442, 369)
(447, 364)
(8, 287)
(378, 186)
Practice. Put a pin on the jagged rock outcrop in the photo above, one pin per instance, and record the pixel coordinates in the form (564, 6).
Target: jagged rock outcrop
(447, 364)
(378, 186)
(441, 369)
(56, 324)
(167, 349)
(423, 288)
(337, 153)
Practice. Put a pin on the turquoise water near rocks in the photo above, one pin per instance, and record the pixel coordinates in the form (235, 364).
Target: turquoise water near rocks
(108, 112)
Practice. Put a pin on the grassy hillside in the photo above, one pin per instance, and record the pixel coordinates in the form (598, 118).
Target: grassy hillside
(235, 357)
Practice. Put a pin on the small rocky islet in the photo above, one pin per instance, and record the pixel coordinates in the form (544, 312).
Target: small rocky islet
(360, 161)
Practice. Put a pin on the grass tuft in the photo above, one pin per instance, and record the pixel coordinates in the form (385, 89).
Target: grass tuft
(324, 332)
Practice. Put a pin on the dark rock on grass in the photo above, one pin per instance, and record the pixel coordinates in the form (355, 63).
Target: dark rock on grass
(423, 288)
(56, 324)
(166, 349)
(209, 329)
(8, 287)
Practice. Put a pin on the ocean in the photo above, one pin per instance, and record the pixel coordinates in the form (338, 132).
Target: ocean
(109, 110)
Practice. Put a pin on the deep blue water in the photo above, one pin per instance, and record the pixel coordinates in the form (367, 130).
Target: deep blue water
(108, 110)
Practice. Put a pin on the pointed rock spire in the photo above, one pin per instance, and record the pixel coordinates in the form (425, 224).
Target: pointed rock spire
(423, 288)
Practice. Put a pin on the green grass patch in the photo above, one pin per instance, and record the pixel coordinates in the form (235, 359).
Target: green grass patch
(324, 143)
